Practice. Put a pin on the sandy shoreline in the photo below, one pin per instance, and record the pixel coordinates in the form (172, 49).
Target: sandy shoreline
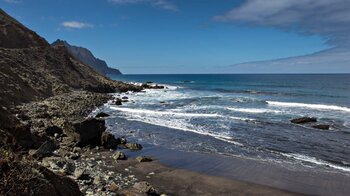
(308, 182)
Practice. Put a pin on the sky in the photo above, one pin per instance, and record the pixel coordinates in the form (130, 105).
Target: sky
(199, 36)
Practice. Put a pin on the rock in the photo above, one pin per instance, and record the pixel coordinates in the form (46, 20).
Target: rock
(51, 131)
(81, 174)
(46, 149)
(122, 140)
(68, 168)
(119, 156)
(113, 187)
(303, 120)
(101, 115)
(117, 102)
(145, 187)
(133, 146)
(143, 159)
(108, 141)
(147, 86)
(97, 180)
(88, 132)
(319, 126)
(76, 149)
(125, 97)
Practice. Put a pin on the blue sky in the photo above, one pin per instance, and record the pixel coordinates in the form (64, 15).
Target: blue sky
(177, 36)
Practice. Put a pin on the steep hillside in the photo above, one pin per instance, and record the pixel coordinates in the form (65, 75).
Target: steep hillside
(85, 56)
(14, 35)
(31, 69)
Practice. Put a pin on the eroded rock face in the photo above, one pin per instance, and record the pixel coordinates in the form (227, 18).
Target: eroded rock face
(303, 120)
(108, 141)
(88, 132)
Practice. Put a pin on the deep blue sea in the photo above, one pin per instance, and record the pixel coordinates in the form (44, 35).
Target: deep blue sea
(242, 115)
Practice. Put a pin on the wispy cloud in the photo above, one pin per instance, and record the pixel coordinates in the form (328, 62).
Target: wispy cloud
(76, 25)
(327, 18)
(163, 4)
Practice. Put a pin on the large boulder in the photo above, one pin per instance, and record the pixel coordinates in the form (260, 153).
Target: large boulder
(87, 132)
(303, 120)
(46, 149)
(133, 146)
(108, 141)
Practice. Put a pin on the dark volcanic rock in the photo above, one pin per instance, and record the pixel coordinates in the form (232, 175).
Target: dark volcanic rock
(324, 127)
(133, 146)
(147, 86)
(51, 131)
(119, 156)
(108, 141)
(89, 132)
(45, 149)
(303, 120)
(117, 101)
(101, 115)
(143, 159)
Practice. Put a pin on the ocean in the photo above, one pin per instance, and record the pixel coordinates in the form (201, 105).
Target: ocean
(242, 115)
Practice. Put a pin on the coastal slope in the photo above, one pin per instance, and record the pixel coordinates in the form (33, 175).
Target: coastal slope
(86, 56)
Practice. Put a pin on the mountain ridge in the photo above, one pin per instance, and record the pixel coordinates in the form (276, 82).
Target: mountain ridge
(86, 56)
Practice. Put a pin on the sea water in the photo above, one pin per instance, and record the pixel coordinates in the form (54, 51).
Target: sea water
(242, 115)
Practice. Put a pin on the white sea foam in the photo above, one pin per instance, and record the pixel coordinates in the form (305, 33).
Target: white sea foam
(253, 110)
(155, 112)
(315, 161)
(182, 127)
(311, 106)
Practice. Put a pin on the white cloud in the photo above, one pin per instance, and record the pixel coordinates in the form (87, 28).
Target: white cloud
(329, 18)
(328, 61)
(163, 4)
(76, 25)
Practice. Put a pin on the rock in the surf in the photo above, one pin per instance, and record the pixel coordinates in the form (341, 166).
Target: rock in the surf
(133, 146)
(303, 120)
(143, 159)
(101, 115)
(323, 127)
(108, 141)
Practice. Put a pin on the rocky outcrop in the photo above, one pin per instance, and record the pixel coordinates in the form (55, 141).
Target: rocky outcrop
(84, 55)
(24, 177)
(303, 120)
(88, 132)
(320, 126)
(108, 141)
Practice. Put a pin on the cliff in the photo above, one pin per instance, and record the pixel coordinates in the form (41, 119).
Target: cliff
(86, 56)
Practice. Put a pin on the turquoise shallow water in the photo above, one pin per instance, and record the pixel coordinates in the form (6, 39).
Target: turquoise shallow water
(242, 115)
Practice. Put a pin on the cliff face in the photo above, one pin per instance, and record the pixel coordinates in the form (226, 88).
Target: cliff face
(85, 56)
(31, 69)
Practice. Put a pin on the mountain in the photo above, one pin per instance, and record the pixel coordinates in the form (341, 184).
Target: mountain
(31, 69)
(86, 56)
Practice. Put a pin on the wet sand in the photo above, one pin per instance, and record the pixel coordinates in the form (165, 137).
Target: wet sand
(244, 173)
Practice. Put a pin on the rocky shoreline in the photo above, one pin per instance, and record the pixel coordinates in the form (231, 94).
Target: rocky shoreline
(73, 154)
(59, 136)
